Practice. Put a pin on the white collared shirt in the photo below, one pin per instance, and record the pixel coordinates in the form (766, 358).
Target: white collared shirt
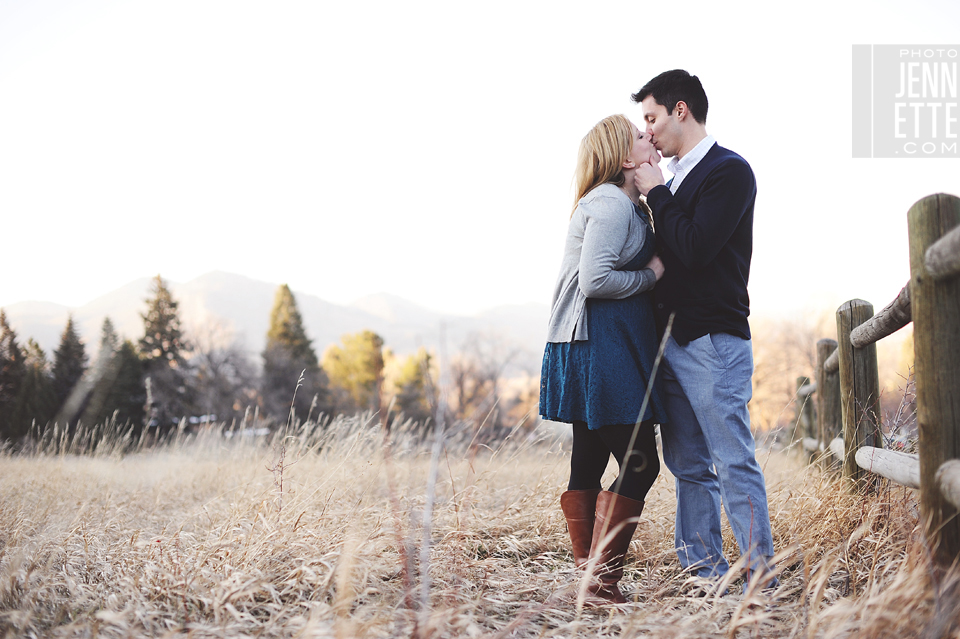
(680, 168)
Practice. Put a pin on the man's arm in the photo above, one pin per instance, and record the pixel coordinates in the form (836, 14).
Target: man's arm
(697, 236)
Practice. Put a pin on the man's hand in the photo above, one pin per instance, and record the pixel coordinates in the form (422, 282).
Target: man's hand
(647, 176)
(656, 266)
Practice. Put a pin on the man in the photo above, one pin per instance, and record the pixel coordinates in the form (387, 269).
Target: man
(704, 222)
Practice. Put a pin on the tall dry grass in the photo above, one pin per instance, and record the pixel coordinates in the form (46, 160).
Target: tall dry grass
(197, 538)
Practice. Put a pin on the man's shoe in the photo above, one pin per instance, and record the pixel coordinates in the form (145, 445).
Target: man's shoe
(702, 587)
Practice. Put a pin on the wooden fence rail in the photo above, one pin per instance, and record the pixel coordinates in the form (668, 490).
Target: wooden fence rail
(846, 387)
(942, 260)
(902, 468)
(832, 363)
(891, 319)
(948, 478)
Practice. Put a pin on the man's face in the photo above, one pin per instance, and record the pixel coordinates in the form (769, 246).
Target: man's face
(664, 128)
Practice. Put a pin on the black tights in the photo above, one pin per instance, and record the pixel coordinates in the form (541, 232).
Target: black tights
(592, 450)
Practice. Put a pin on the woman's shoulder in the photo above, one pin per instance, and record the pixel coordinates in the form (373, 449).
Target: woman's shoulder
(606, 197)
(605, 190)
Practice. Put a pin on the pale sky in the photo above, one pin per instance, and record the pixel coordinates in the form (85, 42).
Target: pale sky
(424, 149)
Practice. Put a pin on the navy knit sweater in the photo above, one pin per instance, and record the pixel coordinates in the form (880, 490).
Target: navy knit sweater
(705, 239)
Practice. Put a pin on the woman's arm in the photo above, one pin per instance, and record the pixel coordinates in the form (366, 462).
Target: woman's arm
(604, 236)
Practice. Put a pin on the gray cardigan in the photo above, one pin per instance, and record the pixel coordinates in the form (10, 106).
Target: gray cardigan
(605, 233)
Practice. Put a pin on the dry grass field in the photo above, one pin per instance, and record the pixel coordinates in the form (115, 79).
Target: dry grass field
(206, 537)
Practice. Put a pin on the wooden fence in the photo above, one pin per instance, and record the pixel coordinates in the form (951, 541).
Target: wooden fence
(846, 389)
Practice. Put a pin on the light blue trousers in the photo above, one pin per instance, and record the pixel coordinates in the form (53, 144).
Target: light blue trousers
(709, 448)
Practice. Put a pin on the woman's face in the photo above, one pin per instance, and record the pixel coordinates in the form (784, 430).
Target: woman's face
(643, 150)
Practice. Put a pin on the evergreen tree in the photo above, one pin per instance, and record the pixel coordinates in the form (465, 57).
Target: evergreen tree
(109, 340)
(122, 393)
(163, 339)
(117, 376)
(84, 391)
(37, 400)
(357, 367)
(288, 353)
(162, 349)
(13, 370)
(69, 363)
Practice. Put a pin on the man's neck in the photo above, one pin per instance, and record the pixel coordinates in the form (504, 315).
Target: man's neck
(691, 141)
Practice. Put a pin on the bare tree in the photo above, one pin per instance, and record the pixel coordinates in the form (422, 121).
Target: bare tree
(783, 350)
(476, 373)
(225, 378)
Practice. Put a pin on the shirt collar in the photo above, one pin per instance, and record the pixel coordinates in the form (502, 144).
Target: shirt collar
(692, 158)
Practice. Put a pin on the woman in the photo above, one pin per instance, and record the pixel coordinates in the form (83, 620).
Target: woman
(601, 346)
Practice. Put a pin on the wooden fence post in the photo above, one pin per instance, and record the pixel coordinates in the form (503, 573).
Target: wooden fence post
(829, 420)
(801, 418)
(936, 343)
(859, 392)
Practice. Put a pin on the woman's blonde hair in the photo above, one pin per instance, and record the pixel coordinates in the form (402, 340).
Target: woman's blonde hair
(602, 153)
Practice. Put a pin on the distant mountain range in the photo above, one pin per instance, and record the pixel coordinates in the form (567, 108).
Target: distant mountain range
(238, 306)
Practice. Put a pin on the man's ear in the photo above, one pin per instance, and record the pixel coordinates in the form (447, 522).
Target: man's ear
(681, 110)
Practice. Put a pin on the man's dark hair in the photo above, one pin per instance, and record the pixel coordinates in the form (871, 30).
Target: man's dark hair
(671, 87)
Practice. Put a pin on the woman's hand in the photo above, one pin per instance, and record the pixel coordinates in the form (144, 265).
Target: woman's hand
(656, 266)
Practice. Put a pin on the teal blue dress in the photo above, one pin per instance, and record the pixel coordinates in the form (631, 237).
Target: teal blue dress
(602, 380)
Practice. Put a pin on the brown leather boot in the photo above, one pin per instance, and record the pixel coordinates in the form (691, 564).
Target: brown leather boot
(578, 507)
(616, 519)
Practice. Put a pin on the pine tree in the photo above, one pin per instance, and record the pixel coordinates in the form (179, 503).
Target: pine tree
(117, 377)
(286, 328)
(121, 395)
(36, 403)
(85, 391)
(69, 363)
(163, 339)
(289, 353)
(109, 340)
(357, 367)
(13, 370)
(162, 349)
